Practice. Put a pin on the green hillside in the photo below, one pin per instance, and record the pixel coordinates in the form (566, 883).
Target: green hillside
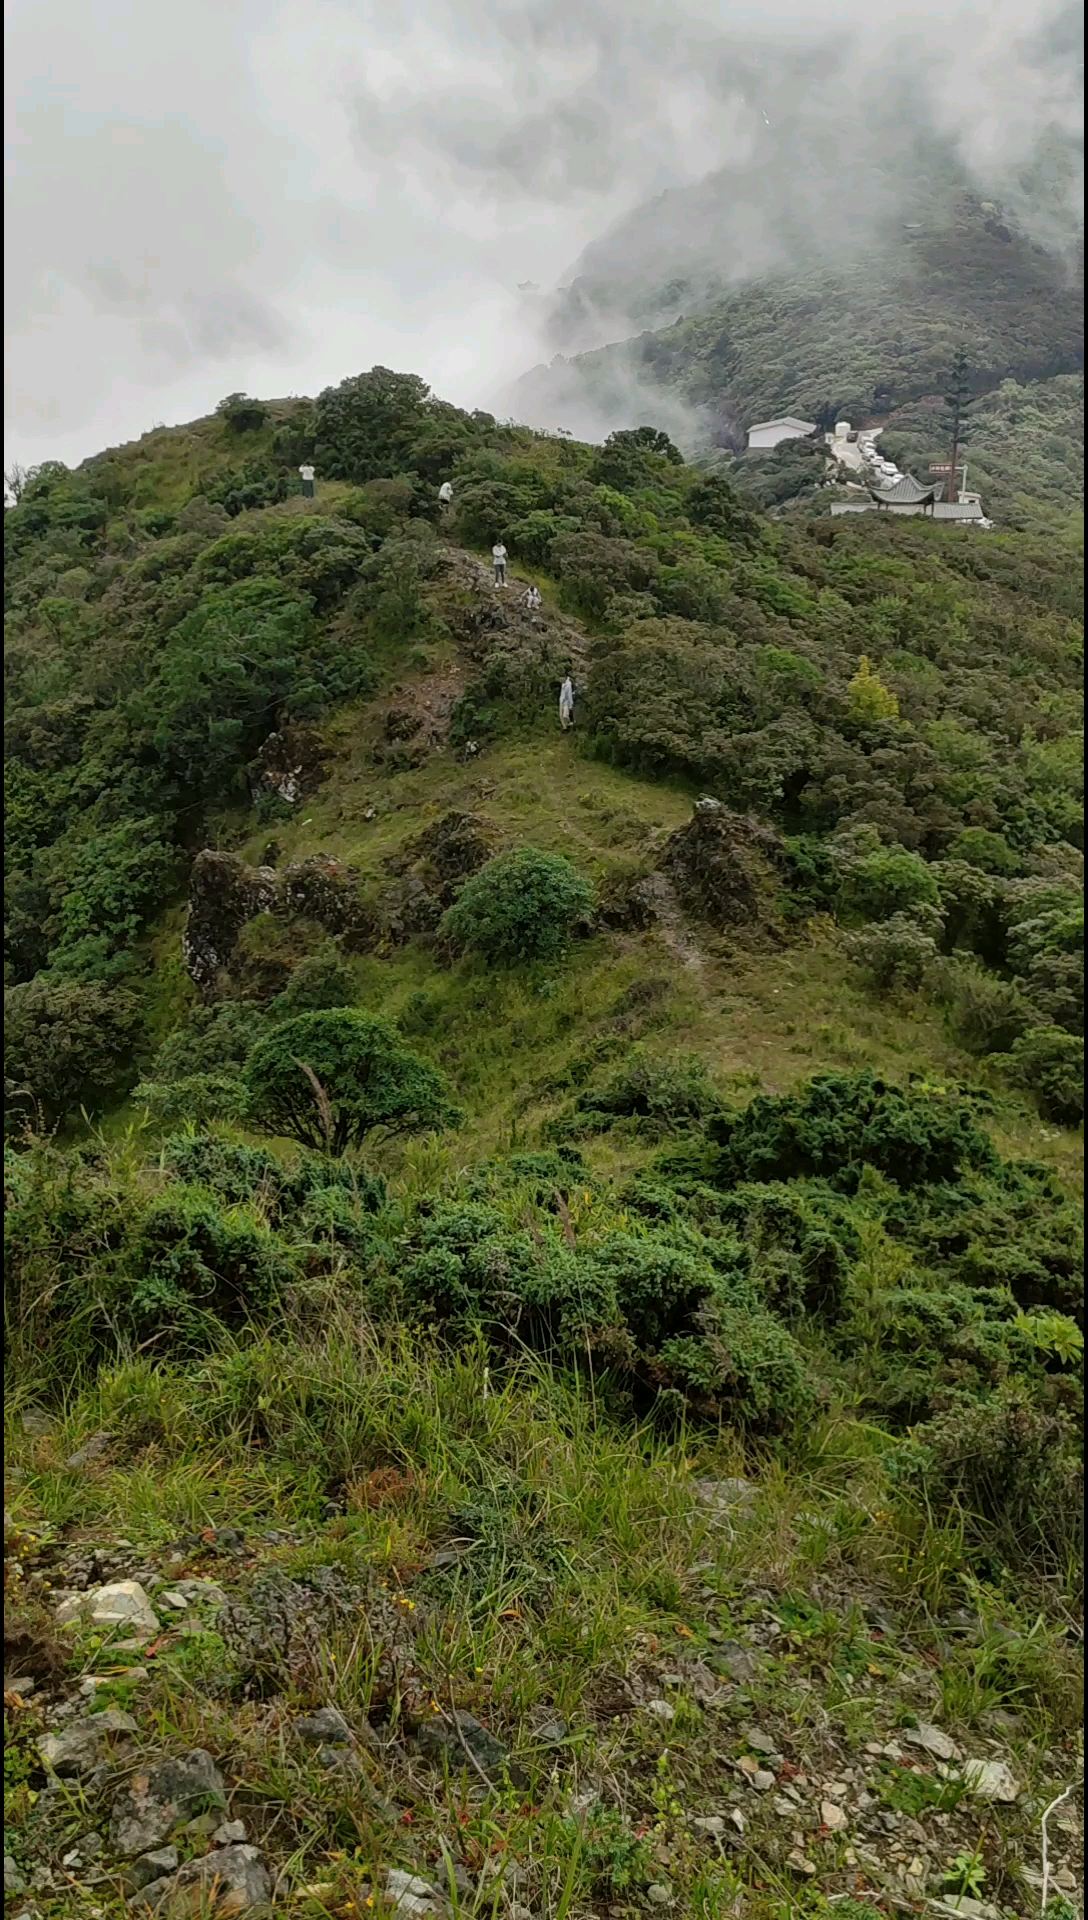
(551, 1257)
(849, 339)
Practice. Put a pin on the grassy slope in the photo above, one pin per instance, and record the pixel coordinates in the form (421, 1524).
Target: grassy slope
(596, 1571)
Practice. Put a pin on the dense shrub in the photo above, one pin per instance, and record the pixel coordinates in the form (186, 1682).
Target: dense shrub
(366, 426)
(473, 1271)
(1050, 1064)
(988, 1013)
(190, 1267)
(885, 881)
(1011, 1474)
(65, 1046)
(320, 980)
(194, 1097)
(521, 906)
(870, 701)
(663, 1094)
(744, 1365)
(841, 1124)
(900, 953)
(329, 1079)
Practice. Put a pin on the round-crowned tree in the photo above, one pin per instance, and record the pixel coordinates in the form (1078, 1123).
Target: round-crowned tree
(521, 906)
(331, 1078)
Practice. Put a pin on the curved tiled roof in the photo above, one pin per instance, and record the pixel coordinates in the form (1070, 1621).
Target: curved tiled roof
(907, 492)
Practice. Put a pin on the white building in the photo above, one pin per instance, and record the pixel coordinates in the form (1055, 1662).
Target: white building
(770, 433)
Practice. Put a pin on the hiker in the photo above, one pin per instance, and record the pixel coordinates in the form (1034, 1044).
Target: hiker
(532, 599)
(498, 556)
(566, 704)
(445, 496)
(307, 474)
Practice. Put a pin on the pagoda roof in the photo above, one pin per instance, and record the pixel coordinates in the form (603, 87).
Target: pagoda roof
(906, 492)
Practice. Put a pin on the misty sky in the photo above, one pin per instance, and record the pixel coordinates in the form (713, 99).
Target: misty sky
(244, 194)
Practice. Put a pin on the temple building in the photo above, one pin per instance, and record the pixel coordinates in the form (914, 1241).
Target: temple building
(910, 496)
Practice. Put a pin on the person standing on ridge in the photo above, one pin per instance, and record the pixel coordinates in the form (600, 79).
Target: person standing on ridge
(445, 496)
(307, 475)
(566, 704)
(498, 557)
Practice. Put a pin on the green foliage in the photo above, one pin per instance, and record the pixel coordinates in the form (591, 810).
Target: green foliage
(320, 980)
(842, 1124)
(990, 852)
(870, 700)
(101, 886)
(633, 458)
(521, 906)
(1050, 1064)
(746, 1365)
(329, 1079)
(225, 671)
(987, 1013)
(900, 953)
(887, 881)
(66, 1045)
(660, 1094)
(367, 425)
(191, 1267)
(1011, 1473)
(241, 414)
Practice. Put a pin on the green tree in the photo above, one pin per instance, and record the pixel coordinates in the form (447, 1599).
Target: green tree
(521, 906)
(366, 426)
(222, 676)
(633, 457)
(328, 1079)
(870, 700)
(65, 1046)
(241, 414)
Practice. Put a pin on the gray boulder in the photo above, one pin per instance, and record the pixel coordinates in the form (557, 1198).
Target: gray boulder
(155, 1803)
(226, 1881)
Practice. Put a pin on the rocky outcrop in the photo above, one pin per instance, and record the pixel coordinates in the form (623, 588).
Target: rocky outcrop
(725, 867)
(225, 894)
(428, 870)
(290, 766)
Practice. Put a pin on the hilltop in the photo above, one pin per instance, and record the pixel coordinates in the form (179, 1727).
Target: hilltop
(551, 1260)
(851, 337)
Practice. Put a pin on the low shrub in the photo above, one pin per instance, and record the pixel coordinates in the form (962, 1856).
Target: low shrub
(1012, 1474)
(987, 1013)
(900, 954)
(663, 1094)
(840, 1124)
(743, 1365)
(886, 881)
(521, 906)
(1050, 1064)
(321, 980)
(192, 1266)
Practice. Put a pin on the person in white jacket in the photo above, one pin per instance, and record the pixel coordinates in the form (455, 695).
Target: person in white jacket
(306, 474)
(498, 558)
(445, 496)
(566, 704)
